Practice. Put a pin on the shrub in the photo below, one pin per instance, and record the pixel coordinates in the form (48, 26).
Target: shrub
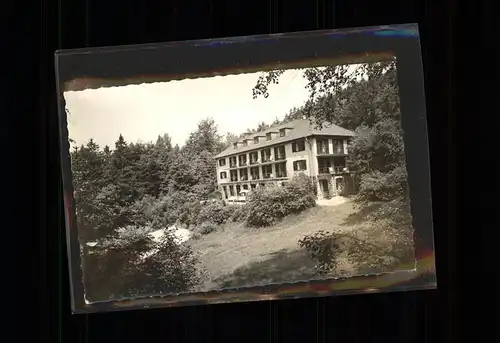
(215, 212)
(323, 247)
(267, 205)
(206, 227)
(116, 268)
(378, 186)
(239, 213)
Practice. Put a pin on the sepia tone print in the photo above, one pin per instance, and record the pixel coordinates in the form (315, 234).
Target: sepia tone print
(248, 180)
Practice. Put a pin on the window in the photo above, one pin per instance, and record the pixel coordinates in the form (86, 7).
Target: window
(282, 132)
(238, 190)
(322, 146)
(254, 157)
(267, 172)
(232, 161)
(231, 191)
(279, 153)
(245, 187)
(235, 145)
(266, 155)
(222, 162)
(234, 175)
(299, 146)
(281, 170)
(299, 165)
(268, 136)
(254, 173)
(225, 191)
(338, 146)
(253, 186)
(256, 140)
(245, 143)
(223, 175)
(242, 160)
(323, 165)
(243, 174)
(262, 185)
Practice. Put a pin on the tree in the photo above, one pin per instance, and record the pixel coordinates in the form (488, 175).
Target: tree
(149, 171)
(87, 164)
(195, 168)
(123, 168)
(205, 138)
(203, 170)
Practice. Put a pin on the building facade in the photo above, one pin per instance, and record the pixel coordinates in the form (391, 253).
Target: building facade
(276, 155)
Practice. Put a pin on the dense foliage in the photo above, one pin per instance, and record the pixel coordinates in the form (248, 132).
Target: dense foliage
(365, 100)
(124, 194)
(265, 206)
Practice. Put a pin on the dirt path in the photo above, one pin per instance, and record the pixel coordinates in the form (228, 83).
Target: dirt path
(225, 251)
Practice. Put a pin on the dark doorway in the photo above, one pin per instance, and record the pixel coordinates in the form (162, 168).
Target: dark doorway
(340, 186)
(325, 189)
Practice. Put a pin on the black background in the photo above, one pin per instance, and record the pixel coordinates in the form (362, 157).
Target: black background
(38, 299)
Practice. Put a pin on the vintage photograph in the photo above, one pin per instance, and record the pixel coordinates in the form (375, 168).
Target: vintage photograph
(240, 180)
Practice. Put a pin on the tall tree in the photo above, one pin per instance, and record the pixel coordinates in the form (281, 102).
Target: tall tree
(122, 168)
(205, 138)
(87, 164)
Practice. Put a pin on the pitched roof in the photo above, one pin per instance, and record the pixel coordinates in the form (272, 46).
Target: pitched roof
(301, 128)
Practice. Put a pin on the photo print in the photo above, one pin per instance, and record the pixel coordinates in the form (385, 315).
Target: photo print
(245, 178)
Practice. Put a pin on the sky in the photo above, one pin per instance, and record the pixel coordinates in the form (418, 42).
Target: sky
(142, 112)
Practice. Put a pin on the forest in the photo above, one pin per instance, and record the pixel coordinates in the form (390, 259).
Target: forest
(125, 192)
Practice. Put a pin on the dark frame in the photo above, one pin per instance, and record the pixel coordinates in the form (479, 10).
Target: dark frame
(80, 69)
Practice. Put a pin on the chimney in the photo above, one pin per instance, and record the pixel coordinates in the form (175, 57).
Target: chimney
(249, 141)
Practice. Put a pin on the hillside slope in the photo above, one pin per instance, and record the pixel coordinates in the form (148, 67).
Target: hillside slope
(238, 256)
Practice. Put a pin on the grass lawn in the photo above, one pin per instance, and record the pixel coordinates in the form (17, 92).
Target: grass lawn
(237, 256)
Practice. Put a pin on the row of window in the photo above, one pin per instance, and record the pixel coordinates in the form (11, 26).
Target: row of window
(233, 190)
(279, 153)
(256, 140)
(265, 155)
(323, 146)
(267, 172)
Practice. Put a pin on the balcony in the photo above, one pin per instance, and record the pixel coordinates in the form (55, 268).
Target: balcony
(234, 179)
(280, 157)
(323, 151)
(255, 177)
(254, 162)
(232, 165)
(244, 178)
(266, 159)
(267, 175)
(281, 174)
(243, 163)
(335, 170)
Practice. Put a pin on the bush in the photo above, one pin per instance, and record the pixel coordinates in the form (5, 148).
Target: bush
(323, 247)
(206, 227)
(268, 205)
(215, 212)
(239, 213)
(117, 268)
(378, 186)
